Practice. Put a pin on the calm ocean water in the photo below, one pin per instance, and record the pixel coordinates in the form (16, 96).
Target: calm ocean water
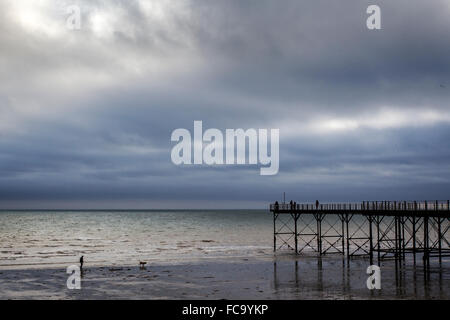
(31, 239)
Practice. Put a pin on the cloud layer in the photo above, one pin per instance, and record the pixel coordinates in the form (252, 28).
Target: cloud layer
(86, 115)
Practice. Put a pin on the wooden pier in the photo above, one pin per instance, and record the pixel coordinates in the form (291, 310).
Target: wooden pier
(376, 229)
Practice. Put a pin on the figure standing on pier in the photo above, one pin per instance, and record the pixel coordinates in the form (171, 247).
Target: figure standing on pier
(317, 204)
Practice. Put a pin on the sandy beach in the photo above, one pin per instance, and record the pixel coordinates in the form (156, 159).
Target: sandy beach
(281, 277)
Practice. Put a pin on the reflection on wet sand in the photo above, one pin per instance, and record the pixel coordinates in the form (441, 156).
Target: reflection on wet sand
(335, 278)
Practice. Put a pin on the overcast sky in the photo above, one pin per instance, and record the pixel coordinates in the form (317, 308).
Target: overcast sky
(86, 115)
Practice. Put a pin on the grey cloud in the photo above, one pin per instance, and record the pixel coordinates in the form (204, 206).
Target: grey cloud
(86, 117)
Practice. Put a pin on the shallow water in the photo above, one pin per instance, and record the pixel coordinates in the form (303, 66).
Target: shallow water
(58, 238)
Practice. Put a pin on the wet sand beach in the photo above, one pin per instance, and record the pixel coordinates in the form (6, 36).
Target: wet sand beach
(280, 277)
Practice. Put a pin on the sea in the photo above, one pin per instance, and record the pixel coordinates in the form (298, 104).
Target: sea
(35, 239)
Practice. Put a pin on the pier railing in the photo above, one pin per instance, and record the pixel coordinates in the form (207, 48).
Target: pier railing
(435, 205)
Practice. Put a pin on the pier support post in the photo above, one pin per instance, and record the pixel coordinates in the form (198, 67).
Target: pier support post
(347, 235)
(396, 253)
(370, 240)
(426, 254)
(343, 233)
(318, 217)
(403, 221)
(274, 231)
(378, 240)
(414, 236)
(439, 239)
(295, 231)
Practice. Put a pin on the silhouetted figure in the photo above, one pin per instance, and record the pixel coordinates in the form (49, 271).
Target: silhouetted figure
(291, 204)
(81, 262)
(276, 205)
(317, 204)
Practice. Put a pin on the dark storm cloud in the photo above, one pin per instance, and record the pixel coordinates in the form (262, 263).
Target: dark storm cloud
(87, 115)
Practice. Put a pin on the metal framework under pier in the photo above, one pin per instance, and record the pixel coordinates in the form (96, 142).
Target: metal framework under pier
(377, 229)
